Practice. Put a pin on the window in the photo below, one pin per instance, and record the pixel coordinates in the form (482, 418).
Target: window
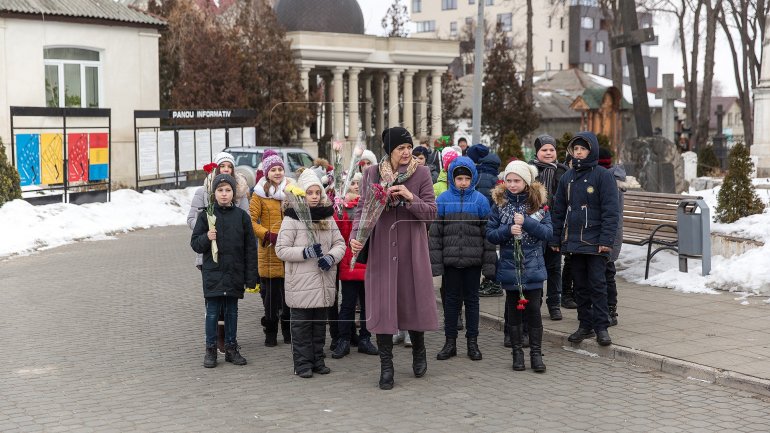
(505, 21)
(588, 46)
(78, 71)
(729, 119)
(646, 72)
(588, 67)
(587, 23)
(602, 69)
(549, 21)
(562, 46)
(625, 71)
(600, 47)
(550, 48)
(453, 29)
(490, 3)
(416, 6)
(469, 21)
(548, 66)
(426, 26)
(561, 66)
(297, 160)
(448, 4)
(471, 2)
(561, 22)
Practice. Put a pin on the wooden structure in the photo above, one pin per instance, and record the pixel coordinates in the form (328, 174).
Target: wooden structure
(601, 111)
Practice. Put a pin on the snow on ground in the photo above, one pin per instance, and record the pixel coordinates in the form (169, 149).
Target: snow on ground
(748, 272)
(29, 228)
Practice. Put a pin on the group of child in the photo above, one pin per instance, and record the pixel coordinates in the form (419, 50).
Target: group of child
(299, 278)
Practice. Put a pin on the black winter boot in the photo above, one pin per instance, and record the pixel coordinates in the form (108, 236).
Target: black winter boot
(210, 360)
(271, 332)
(286, 331)
(419, 356)
(342, 349)
(449, 350)
(473, 349)
(613, 315)
(517, 351)
(365, 346)
(385, 347)
(232, 354)
(535, 349)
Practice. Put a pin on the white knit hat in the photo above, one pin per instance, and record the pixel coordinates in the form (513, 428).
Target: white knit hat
(368, 155)
(224, 157)
(357, 177)
(521, 168)
(309, 178)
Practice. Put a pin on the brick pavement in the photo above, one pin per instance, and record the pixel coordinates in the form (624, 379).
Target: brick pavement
(108, 337)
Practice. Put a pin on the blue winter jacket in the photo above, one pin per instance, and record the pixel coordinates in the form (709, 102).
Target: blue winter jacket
(489, 168)
(457, 237)
(585, 207)
(533, 271)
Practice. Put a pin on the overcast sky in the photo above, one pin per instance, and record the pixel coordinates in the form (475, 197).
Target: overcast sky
(667, 51)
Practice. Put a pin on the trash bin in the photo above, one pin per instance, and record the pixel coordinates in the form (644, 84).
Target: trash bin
(693, 223)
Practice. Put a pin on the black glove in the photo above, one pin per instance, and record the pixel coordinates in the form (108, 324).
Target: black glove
(326, 262)
(312, 251)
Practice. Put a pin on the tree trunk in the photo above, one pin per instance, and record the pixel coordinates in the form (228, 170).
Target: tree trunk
(712, 15)
(692, 89)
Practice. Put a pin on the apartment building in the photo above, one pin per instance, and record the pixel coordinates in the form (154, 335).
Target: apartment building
(566, 33)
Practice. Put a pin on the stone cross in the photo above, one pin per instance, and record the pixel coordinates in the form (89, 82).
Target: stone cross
(668, 94)
(632, 40)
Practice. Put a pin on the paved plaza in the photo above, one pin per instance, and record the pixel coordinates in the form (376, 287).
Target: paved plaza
(107, 336)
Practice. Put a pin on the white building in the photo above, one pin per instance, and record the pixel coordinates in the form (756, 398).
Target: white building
(79, 53)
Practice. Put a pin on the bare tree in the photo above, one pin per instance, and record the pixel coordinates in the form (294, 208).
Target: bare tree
(529, 69)
(712, 18)
(396, 19)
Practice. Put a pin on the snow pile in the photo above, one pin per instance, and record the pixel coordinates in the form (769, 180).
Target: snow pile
(748, 272)
(28, 228)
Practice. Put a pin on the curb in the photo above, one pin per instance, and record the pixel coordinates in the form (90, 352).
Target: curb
(653, 361)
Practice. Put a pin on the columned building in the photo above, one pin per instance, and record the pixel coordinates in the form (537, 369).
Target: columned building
(354, 70)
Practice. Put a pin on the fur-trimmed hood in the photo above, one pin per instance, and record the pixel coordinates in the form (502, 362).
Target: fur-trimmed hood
(500, 194)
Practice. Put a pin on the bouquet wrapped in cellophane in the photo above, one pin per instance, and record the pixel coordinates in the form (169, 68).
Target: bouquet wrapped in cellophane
(373, 206)
(295, 199)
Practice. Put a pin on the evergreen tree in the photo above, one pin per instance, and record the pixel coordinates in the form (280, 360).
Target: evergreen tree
(10, 188)
(451, 98)
(269, 75)
(509, 148)
(708, 163)
(561, 146)
(395, 20)
(504, 103)
(737, 198)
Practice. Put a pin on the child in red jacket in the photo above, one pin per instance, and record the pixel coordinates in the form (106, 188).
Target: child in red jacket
(352, 282)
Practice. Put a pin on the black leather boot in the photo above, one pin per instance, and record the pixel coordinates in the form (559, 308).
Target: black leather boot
(536, 349)
(232, 355)
(473, 349)
(342, 349)
(419, 357)
(210, 360)
(271, 332)
(449, 350)
(517, 350)
(385, 347)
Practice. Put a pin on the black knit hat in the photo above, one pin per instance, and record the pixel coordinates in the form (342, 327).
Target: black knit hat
(462, 170)
(544, 139)
(226, 178)
(421, 150)
(394, 137)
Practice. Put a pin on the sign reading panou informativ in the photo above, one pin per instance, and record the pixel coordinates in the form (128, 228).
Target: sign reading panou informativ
(201, 114)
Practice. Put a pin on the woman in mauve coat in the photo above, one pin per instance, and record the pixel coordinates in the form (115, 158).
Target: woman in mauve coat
(398, 284)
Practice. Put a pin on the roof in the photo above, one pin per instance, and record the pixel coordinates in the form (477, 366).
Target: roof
(108, 10)
(334, 16)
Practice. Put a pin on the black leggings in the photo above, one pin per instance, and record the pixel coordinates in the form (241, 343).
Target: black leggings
(531, 312)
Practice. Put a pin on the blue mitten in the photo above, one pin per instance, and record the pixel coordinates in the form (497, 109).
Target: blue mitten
(312, 251)
(326, 262)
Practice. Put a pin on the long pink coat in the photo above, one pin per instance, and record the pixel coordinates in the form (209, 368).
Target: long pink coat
(399, 283)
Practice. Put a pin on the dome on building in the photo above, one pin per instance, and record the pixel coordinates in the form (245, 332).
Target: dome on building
(334, 16)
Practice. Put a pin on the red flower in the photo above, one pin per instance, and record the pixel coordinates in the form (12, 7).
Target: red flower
(208, 168)
(520, 307)
(546, 208)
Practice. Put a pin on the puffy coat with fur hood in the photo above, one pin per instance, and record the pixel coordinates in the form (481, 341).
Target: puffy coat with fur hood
(307, 286)
(266, 216)
(535, 234)
(458, 235)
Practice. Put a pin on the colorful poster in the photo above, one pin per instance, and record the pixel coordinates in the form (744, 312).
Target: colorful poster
(28, 158)
(148, 153)
(166, 152)
(51, 159)
(77, 157)
(187, 150)
(98, 156)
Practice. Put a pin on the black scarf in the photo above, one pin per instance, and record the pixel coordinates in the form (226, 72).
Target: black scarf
(317, 214)
(547, 175)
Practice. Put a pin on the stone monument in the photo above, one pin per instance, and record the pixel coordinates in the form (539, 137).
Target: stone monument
(761, 147)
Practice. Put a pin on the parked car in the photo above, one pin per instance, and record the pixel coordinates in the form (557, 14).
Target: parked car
(293, 157)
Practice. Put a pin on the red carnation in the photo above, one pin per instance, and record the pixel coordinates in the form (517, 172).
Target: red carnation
(208, 168)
